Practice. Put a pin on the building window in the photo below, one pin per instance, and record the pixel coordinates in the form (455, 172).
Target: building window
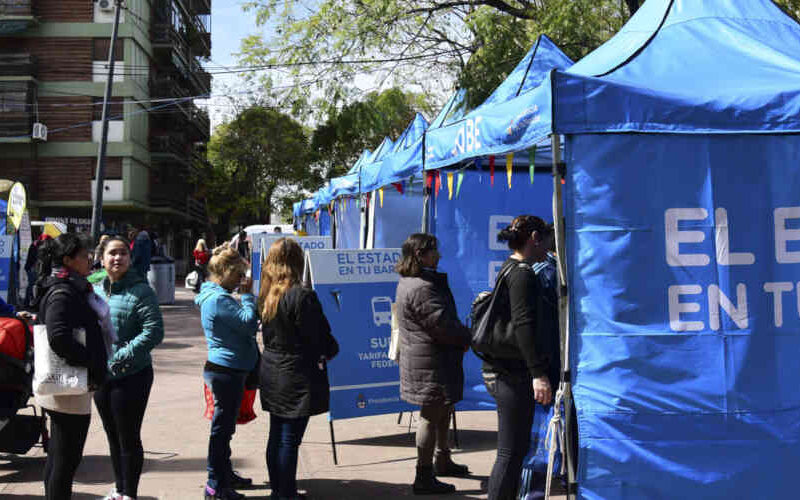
(12, 102)
(100, 49)
(115, 109)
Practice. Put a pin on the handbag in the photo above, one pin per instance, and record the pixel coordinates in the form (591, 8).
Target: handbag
(246, 411)
(492, 337)
(52, 375)
(191, 279)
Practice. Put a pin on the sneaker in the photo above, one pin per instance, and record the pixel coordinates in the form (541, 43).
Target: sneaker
(239, 482)
(222, 494)
(113, 495)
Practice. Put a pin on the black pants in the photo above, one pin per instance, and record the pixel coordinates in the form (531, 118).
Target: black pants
(67, 437)
(121, 404)
(514, 397)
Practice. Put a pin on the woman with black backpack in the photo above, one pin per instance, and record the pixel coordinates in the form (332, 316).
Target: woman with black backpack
(517, 376)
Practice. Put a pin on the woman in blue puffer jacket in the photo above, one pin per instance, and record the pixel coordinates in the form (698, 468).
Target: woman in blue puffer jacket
(122, 401)
(230, 329)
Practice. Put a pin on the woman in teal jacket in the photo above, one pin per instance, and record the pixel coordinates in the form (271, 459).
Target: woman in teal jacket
(122, 401)
(230, 328)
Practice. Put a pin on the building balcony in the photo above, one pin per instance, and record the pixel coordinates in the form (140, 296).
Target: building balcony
(173, 146)
(199, 78)
(17, 116)
(17, 65)
(16, 16)
(199, 7)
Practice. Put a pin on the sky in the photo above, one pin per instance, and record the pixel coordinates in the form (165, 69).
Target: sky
(229, 25)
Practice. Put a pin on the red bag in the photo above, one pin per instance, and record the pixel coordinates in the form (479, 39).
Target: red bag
(246, 412)
(13, 339)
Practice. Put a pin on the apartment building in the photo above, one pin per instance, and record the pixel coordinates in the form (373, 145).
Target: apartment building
(53, 70)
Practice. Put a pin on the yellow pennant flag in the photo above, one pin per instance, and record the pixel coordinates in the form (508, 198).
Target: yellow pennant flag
(380, 192)
(509, 167)
(449, 185)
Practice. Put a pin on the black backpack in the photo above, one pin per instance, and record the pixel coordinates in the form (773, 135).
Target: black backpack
(492, 336)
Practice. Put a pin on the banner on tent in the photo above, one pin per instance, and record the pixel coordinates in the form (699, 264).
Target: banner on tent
(467, 226)
(262, 242)
(357, 289)
(683, 280)
(6, 248)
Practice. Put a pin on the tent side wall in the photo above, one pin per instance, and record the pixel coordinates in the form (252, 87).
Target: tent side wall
(348, 223)
(467, 227)
(399, 217)
(679, 251)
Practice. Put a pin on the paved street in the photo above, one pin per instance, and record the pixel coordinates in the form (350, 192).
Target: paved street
(376, 454)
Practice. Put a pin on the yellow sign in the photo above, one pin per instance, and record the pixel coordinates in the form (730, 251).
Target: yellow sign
(16, 204)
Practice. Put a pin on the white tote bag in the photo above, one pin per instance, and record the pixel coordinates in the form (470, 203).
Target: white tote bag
(52, 376)
(394, 343)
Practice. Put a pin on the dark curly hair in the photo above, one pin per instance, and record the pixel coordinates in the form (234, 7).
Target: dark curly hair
(520, 230)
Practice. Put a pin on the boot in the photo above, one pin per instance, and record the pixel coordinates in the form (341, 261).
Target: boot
(445, 466)
(425, 483)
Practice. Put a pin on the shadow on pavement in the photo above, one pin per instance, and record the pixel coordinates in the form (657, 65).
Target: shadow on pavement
(75, 496)
(469, 439)
(342, 489)
(174, 345)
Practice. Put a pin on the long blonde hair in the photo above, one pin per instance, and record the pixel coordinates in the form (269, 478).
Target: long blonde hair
(201, 245)
(282, 268)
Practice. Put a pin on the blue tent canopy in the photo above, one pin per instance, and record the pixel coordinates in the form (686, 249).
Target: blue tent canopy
(514, 118)
(737, 72)
(677, 241)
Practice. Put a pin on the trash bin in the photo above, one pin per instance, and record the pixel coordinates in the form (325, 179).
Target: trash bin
(161, 277)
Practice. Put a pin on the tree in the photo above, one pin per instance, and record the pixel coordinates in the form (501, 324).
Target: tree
(425, 44)
(257, 163)
(337, 143)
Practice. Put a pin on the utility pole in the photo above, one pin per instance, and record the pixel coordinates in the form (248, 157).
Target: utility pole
(100, 175)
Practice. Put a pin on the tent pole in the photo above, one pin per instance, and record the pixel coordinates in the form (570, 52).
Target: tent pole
(559, 173)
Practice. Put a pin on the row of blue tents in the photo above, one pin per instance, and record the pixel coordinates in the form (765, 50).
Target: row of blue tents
(679, 248)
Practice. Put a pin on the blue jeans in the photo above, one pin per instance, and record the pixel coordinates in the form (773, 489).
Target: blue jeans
(285, 436)
(228, 389)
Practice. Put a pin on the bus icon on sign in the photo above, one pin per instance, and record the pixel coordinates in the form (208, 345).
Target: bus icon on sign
(382, 310)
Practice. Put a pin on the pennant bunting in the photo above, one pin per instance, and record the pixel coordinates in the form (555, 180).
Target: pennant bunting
(449, 185)
(380, 193)
(509, 167)
(532, 161)
(458, 184)
(438, 182)
(429, 180)
(400, 187)
(491, 170)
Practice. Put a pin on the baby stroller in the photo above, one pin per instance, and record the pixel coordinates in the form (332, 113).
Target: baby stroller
(18, 432)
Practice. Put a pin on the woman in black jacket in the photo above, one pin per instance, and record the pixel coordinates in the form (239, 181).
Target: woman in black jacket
(516, 381)
(65, 306)
(432, 345)
(293, 372)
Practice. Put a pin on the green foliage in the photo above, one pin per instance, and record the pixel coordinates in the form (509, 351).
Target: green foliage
(576, 26)
(337, 143)
(426, 44)
(257, 162)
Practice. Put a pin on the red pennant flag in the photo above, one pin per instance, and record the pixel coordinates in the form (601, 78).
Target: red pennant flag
(399, 187)
(438, 182)
(491, 169)
(429, 180)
